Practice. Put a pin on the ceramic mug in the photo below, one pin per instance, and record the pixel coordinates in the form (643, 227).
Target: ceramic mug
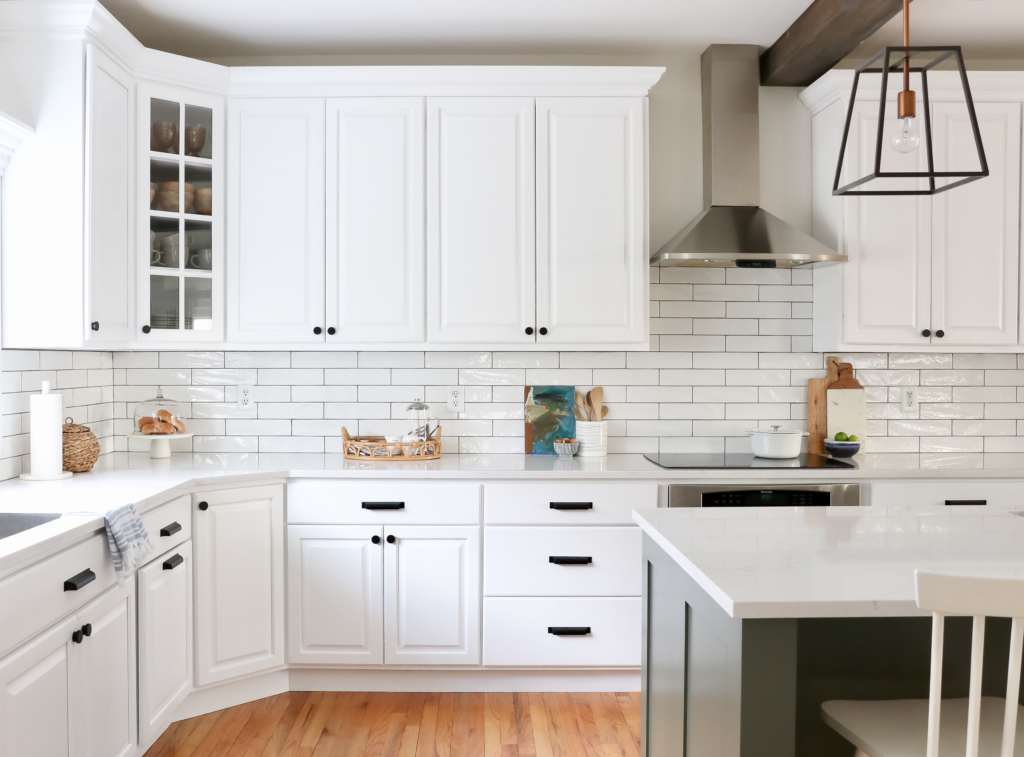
(171, 240)
(202, 259)
(166, 258)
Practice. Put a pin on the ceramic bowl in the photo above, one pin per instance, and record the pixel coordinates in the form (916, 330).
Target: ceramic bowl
(567, 449)
(203, 202)
(842, 449)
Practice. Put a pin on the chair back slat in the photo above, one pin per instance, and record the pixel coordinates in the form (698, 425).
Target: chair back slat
(1013, 687)
(979, 597)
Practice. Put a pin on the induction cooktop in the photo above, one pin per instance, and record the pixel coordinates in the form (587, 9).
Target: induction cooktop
(746, 460)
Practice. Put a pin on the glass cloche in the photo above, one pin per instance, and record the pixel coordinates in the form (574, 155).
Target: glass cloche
(159, 416)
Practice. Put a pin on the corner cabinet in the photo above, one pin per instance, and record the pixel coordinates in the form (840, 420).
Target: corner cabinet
(932, 272)
(180, 229)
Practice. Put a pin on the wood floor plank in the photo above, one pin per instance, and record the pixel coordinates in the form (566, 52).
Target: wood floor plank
(388, 724)
(523, 725)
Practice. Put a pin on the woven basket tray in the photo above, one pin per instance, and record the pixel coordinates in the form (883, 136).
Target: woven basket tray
(81, 449)
(376, 448)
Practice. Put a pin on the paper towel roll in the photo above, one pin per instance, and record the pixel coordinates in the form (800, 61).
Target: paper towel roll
(46, 433)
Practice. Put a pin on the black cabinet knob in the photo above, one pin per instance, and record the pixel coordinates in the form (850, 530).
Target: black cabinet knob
(145, 329)
(926, 332)
(332, 331)
(77, 637)
(375, 539)
(317, 330)
(391, 538)
(529, 330)
(204, 505)
(543, 331)
(95, 325)
(940, 333)
(87, 629)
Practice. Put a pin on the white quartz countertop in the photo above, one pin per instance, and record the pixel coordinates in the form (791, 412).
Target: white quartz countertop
(813, 562)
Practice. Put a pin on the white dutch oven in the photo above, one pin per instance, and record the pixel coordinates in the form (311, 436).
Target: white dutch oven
(775, 442)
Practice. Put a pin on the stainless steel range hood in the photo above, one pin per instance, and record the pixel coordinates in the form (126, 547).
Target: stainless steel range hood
(733, 230)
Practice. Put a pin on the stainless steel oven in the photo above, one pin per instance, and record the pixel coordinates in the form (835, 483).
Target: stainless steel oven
(767, 495)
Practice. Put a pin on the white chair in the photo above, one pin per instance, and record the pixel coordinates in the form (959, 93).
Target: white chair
(977, 726)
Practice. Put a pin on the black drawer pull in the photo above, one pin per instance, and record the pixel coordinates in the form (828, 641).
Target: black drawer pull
(171, 529)
(87, 629)
(383, 505)
(567, 560)
(572, 505)
(173, 562)
(966, 502)
(76, 637)
(569, 630)
(82, 579)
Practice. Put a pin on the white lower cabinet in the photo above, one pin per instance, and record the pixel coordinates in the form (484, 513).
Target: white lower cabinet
(165, 639)
(335, 595)
(70, 692)
(432, 595)
(239, 543)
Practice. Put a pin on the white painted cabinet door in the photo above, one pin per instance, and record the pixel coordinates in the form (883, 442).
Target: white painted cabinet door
(480, 220)
(102, 675)
(592, 260)
(335, 595)
(432, 595)
(888, 239)
(110, 113)
(375, 235)
(165, 639)
(276, 220)
(239, 547)
(34, 717)
(976, 227)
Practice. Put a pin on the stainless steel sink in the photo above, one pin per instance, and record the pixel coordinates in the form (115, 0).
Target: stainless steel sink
(15, 523)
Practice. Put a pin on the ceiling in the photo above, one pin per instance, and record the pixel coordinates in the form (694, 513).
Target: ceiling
(985, 29)
(236, 28)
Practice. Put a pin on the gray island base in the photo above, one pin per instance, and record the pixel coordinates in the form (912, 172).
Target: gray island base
(753, 617)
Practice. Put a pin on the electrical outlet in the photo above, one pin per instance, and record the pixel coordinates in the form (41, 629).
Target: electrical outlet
(246, 395)
(909, 399)
(456, 399)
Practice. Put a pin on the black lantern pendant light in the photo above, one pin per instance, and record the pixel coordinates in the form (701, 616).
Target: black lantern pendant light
(907, 137)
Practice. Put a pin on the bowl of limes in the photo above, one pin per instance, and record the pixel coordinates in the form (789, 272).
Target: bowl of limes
(843, 445)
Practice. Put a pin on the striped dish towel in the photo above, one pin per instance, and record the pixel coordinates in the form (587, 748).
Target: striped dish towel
(126, 536)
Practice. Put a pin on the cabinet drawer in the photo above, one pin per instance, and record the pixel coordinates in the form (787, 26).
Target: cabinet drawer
(578, 504)
(387, 504)
(35, 597)
(516, 632)
(169, 525)
(524, 561)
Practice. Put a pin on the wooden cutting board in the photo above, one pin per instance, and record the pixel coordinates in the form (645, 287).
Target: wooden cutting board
(817, 407)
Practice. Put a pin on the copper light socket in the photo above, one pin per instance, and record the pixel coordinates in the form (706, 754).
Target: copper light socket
(907, 104)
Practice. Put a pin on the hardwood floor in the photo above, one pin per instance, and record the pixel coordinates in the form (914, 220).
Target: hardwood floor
(357, 724)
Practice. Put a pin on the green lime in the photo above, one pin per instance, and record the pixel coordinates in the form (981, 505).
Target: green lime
(841, 437)
(853, 438)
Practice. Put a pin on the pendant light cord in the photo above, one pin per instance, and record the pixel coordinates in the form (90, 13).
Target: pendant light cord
(906, 43)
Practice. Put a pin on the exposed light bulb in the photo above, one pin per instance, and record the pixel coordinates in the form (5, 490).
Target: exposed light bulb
(906, 139)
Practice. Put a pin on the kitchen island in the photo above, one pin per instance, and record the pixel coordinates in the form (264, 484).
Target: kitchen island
(754, 616)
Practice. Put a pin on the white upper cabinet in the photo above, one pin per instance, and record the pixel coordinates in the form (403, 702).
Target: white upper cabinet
(480, 220)
(276, 211)
(110, 130)
(888, 239)
(239, 562)
(375, 206)
(591, 220)
(976, 227)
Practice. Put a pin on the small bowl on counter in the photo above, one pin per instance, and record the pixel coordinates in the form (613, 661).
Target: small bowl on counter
(842, 449)
(567, 449)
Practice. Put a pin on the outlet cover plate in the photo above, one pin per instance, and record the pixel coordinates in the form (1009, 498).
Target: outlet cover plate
(246, 396)
(456, 399)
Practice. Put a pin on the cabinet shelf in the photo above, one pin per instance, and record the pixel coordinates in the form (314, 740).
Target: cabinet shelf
(170, 157)
(198, 273)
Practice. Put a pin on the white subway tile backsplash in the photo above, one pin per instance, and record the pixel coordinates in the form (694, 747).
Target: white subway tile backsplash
(191, 360)
(724, 293)
(671, 326)
(357, 376)
(685, 343)
(224, 410)
(920, 360)
(390, 360)
(778, 276)
(320, 360)
(1003, 410)
(252, 360)
(524, 359)
(663, 292)
(1002, 378)
(784, 293)
(659, 428)
(458, 360)
(52, 360)
(691, 411)
(659, 360)
(968, 360)
(758, 310)
(962, 410)
(710, 377)
(985, 428)
(922, 428)
(682, 309)
(862, 360)
(953, 443)
(757, 378)
(725, 326)
(954, 378)
(794, 394)
(219, 376)
(692, 275)
(286, 376)
(291, 444)
(758, 343)
(356, 410)
(983, 394)
(549, 377)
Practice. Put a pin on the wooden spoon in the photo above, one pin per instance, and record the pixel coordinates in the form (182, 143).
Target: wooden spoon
(590, 408)
(597, 401)
(604, 411)
(580, 409)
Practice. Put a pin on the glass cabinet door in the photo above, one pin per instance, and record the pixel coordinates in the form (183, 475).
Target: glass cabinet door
(183, 247)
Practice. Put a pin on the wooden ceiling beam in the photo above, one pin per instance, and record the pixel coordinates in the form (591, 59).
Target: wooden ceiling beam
(825, 33)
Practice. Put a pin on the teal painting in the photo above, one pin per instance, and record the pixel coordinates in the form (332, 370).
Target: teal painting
(549, 416)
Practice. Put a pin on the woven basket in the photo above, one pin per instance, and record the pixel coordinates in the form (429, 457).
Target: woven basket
(81, 449)
(378, 448)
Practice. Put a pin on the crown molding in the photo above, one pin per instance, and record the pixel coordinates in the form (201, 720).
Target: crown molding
(12, 133)
(349, 81)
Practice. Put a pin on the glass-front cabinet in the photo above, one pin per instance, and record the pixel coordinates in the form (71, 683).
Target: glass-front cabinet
(181, 259)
